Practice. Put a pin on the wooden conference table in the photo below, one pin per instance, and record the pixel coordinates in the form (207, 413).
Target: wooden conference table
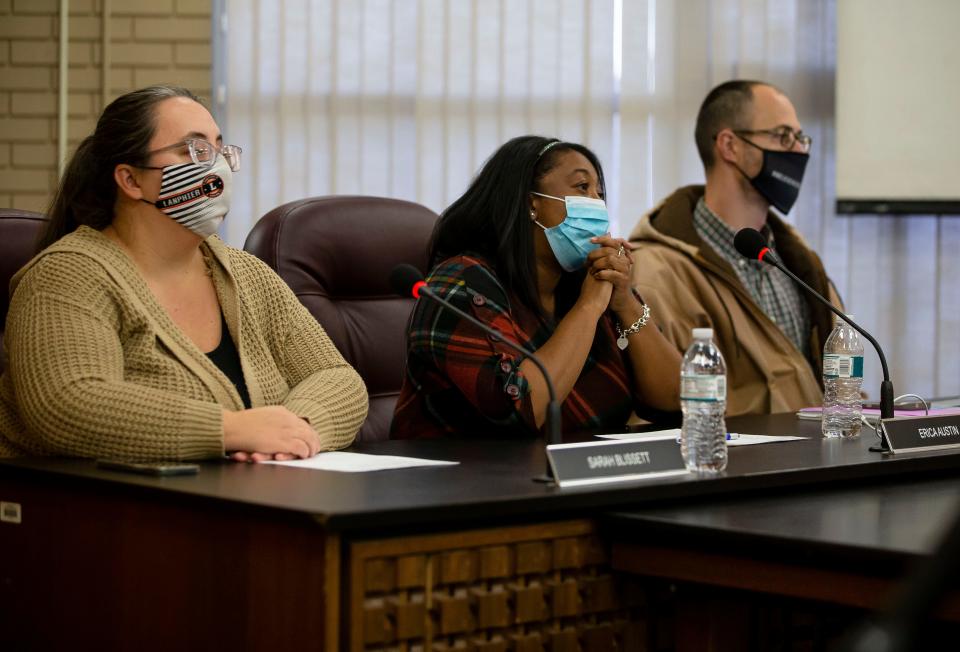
(473, 556)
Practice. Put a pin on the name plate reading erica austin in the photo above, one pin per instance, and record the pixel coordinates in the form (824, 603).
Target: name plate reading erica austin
(909, 434)
(587, 463)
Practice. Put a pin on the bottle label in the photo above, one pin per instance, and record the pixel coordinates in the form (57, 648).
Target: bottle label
(842, 366)
(699, 387)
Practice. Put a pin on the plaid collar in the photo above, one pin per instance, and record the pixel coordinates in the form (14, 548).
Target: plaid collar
(719, 235)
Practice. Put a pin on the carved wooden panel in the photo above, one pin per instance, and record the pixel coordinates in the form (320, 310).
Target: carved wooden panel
(516, 589)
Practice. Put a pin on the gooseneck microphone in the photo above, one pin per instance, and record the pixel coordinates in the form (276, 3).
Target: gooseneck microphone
(751, 244)
(406, 280)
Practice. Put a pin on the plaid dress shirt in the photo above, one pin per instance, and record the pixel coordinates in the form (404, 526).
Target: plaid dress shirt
(775, 292)
(461, 382)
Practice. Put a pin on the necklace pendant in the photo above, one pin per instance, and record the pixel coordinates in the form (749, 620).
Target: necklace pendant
(622, 342)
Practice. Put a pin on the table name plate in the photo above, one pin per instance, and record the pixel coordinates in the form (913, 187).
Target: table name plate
(909, 434)
(587, 463)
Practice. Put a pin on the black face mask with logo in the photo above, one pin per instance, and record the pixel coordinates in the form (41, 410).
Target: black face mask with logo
(779, 178)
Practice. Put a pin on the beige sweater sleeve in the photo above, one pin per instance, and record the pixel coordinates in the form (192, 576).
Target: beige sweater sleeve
(67, 368)
(325, 389)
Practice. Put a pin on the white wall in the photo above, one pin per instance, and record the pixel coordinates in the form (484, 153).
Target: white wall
(898, 99)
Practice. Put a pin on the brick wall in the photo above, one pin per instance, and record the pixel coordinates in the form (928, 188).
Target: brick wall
(152, 42)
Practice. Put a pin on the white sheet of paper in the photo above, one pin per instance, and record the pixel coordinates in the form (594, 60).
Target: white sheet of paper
(747, 440)
(740, 440)
(672, 433)
(360, 462)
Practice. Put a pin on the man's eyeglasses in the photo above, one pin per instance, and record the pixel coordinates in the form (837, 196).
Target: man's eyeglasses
(202, 153)
(788, 137)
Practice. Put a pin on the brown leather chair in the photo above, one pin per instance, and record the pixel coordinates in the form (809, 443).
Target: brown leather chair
(19, 231)
(337, 254)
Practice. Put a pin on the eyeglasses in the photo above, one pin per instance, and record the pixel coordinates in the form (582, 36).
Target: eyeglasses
(788, 137)
(202, 153)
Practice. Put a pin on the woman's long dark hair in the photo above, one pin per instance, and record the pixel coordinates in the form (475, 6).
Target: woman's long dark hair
(492, 218)
(87, 191)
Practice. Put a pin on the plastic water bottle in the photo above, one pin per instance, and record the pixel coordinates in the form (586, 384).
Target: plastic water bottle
(703, 399)
(842, 377)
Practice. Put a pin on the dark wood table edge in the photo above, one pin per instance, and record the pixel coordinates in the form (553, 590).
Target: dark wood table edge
(558, 504)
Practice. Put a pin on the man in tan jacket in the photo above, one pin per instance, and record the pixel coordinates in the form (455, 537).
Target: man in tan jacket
(771, 333)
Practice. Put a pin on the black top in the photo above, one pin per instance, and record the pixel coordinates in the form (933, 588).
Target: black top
(227, 358)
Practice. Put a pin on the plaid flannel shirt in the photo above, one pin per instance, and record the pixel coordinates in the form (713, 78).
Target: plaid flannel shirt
(776, 293)
(461, 382)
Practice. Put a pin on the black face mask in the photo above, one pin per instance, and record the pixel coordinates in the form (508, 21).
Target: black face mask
(779, 178)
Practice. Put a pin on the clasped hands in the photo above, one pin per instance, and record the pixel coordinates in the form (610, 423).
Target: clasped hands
(612, 261)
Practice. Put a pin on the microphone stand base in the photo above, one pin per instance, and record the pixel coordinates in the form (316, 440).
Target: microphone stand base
(547, 476)
(886, 412)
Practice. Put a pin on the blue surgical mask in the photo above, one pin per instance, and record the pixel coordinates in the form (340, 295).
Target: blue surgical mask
(570, 240)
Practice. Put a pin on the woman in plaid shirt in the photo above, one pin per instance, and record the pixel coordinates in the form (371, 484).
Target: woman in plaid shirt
(527, 251)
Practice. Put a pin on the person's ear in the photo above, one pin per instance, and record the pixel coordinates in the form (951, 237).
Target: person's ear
(534, 206)
(727, 146)
(127, 178)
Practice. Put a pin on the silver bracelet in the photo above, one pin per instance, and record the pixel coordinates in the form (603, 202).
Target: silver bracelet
(634, 328)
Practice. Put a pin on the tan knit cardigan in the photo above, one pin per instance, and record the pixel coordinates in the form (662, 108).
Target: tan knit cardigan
(98, 369)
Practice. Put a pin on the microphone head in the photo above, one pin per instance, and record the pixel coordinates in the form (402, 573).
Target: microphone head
(751, 244)
(406, 280)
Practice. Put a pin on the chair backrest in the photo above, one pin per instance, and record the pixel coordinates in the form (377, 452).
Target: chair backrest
(336, 253)
(19, 231)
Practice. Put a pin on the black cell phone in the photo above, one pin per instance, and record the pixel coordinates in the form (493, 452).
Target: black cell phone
(151, 468)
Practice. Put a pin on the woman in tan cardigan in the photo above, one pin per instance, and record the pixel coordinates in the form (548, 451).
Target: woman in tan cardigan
(137, 334)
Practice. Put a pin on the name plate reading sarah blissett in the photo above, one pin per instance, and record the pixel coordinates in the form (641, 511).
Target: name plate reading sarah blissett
(586, 463)
(909, 434)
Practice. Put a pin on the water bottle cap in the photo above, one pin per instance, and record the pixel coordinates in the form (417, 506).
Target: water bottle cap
(702, 333)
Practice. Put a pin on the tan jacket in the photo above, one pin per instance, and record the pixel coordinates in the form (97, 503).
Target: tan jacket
(689, 285)
(98, 369)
